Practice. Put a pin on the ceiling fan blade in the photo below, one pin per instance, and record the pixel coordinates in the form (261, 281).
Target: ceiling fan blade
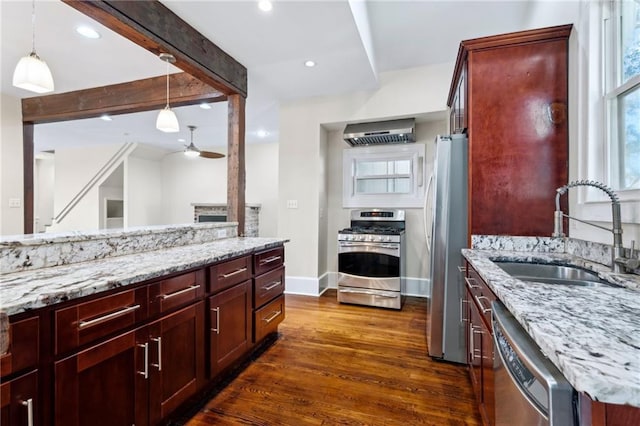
(209, 154)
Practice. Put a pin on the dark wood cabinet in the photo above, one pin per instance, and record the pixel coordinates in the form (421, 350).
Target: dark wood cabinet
(176, 360)
(479, 338)
(19, 405)
(510, 93)
(230, 330)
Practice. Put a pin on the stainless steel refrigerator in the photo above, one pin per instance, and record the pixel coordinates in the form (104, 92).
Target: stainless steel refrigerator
(445, 329)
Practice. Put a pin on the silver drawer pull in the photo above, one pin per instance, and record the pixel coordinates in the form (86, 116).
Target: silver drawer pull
(145, 373)
(462, 269)
(272, 286)
(269, 260)
(484, 310)
(369, 293)
(217, 311)
(178, 293)
(468, 281)
(236, 272)
(272, 317)
(112, 315)
(158, 340)
(29, 404)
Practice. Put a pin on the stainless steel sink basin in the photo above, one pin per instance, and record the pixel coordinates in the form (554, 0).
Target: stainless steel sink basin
(553, 274)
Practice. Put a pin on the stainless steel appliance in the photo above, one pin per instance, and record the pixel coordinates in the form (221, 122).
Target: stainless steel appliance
(529, 389)
(445, 329)
(371, 261)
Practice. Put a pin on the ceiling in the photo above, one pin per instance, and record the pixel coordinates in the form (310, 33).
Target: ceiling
(352, 43)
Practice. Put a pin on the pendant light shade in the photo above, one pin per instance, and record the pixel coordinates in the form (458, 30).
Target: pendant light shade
(167, 120)
(32, 73)
(191, 150)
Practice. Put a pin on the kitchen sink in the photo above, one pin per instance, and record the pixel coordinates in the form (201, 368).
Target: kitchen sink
(553, 274)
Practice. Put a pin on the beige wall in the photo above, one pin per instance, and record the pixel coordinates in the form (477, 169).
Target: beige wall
(143, 192)
(404, 93)
(11, 218)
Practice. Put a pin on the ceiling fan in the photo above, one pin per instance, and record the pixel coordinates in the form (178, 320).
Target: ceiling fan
(192, 151)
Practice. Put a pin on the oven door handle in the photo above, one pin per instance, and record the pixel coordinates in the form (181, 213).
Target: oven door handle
(376, 245)
(369, 292)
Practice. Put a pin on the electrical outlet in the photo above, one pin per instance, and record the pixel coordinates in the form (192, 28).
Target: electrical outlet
(15, 202)
(292, 204)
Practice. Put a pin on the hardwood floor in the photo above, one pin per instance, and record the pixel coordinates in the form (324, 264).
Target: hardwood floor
(345, 364)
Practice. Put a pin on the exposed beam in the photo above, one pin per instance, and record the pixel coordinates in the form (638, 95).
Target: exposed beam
(134, 96)
(235, 163)
(156, 28)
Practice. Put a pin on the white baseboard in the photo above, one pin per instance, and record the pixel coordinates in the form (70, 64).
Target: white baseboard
(417, 287)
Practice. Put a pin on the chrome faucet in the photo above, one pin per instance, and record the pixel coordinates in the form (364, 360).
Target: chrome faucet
(618, 262)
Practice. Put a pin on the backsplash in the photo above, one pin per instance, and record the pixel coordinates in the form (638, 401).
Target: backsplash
(592, 251)
(35, 251)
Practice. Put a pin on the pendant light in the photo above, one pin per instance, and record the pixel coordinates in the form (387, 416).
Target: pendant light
(32, 73)
(167, 120)
(191, 150)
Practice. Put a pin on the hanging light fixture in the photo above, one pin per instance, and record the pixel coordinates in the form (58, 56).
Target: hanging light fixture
(191, 150)
(32, 73)
(167, 120)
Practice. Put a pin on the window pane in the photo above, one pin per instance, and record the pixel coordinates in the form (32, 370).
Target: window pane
(630, 39)
(629, 110)
(381, 168)
(383, 186)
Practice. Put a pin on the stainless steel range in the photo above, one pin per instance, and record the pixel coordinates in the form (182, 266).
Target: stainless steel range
(371, 261)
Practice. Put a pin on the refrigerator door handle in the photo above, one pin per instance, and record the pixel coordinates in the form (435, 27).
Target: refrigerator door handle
(428, 227)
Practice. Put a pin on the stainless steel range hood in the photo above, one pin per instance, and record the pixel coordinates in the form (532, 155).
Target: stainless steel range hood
(381, 132)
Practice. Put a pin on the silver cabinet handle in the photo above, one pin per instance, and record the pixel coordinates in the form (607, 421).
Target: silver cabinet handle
(112, 315)
(462, 269)
(484, 310)
(29, 404)
(369, 292)
(179, 292)
(236, 272)
(273, 285)
(158, 340)
(468, 281)
(145, 373)
(272, 317)
(471, 345)
(462, 302)
(217, 311)
(269, 260)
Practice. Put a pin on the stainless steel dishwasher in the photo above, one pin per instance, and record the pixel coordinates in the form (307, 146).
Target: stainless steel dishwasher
(529, 389)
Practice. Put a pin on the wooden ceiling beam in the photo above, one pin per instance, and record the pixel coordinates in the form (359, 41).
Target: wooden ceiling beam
(156, 28)
(123, 98)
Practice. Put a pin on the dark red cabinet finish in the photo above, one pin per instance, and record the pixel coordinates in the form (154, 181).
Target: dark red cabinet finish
(514, 110)
(19, 401)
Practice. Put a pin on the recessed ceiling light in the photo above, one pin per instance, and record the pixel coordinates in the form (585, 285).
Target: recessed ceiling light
(262, 133)
(182, 140)
(265, 5)
(105, 117)
(87, 32)
(309, 64)
(205, 106)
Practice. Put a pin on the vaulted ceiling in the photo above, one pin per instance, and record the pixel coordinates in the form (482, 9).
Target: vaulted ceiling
(352, 42)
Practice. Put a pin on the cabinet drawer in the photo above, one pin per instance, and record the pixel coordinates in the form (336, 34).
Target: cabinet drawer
(268, 286)
(23, 346)
(226, 274)
(267, 260)
(176, 291)
(89, 321)
(481, 294)
(19, 400)
(267, 318)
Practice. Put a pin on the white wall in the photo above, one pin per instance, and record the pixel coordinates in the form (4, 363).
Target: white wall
(111, 193)
(404, 93)
(261, 163)
(44, 180)
(143, 192)
(11, 184)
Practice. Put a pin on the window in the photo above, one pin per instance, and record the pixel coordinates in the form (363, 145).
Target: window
(622, 87)
(384, 176)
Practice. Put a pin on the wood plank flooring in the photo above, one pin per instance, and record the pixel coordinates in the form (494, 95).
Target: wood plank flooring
(348, 365)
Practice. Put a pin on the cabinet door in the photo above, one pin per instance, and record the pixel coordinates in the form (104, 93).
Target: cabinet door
(176, 360)
(230, 326)
(104, 385)
(474, 345)
(18, 401)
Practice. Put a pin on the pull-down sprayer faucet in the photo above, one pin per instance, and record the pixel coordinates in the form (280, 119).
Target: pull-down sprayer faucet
(618, 262)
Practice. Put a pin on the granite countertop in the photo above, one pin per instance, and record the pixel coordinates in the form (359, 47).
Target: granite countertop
(23, 291)
(591, 334)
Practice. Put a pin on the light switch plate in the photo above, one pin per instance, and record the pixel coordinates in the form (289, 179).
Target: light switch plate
(15, 202)
(292, 204)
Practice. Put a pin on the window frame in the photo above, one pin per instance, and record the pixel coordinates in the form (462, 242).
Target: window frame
(415, 152)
